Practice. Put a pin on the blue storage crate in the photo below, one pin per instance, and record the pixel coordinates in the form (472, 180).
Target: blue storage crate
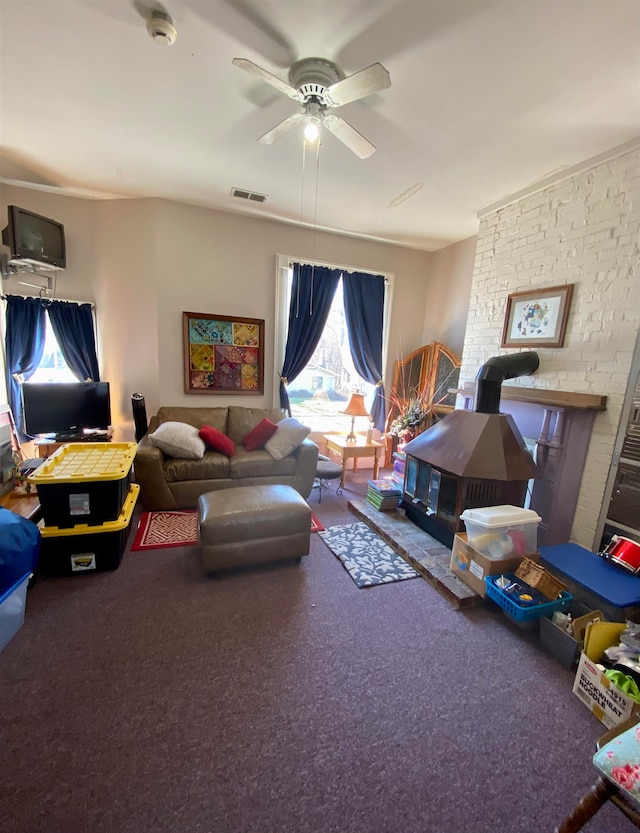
(523, 613)
(13, 602)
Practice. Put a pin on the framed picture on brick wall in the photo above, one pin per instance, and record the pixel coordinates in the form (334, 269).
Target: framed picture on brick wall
(223, 354)
(537, 317)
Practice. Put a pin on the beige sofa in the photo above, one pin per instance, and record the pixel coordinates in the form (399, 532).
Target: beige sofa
(173, 483)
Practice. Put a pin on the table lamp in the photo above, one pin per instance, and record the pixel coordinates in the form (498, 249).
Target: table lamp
(355, 408)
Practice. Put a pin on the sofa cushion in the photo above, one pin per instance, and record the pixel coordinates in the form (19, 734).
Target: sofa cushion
(241, 420)
(217, 441)
(213, 466)
(287, 438)
(257, 437)
(216, 417)
(249, 464)
(177, 439)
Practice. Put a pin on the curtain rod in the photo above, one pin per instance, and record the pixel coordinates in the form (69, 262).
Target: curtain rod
(350, 269)
(44, 298)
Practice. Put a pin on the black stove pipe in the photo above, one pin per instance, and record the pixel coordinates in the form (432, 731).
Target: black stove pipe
(493, 373)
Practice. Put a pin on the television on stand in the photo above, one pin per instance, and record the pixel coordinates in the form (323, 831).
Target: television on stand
(66, 411)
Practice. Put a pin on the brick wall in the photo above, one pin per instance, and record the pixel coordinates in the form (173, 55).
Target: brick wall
(583, 229)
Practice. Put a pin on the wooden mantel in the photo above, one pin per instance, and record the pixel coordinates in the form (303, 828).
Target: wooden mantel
(546, 397)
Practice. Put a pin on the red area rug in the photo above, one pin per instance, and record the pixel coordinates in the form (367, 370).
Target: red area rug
(316, 526)
(158, 530)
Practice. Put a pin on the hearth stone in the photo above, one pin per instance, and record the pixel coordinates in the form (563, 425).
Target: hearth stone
(419, 549)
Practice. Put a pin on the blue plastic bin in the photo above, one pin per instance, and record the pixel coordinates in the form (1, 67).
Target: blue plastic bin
(523, 613)
(13, 603)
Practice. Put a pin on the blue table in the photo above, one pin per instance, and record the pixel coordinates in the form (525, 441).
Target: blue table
(595, 581)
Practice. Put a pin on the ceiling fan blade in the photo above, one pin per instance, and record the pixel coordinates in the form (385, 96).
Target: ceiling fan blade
(349, 136)
(146, 10)
(370, 80)
(263, 75)
(248, 24)
(280, 129)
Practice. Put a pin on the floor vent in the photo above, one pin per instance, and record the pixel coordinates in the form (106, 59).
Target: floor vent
(243, 194)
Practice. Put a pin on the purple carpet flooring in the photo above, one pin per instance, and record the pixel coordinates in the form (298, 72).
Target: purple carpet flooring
(280, 699)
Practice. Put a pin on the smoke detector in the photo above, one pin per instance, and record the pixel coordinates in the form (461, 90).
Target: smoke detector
(161, 29)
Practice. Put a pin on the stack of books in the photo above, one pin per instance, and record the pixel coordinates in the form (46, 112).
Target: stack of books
(384, 494)
(399, 463)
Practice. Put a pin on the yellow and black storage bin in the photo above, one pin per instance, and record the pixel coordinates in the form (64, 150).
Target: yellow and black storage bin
(84, 483)
(82, 548)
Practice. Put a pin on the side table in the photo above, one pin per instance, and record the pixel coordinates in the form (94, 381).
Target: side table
(359, 448)
(23, 504)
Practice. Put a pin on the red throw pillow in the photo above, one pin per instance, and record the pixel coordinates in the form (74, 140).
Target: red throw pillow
(257, 437)
(217, 441)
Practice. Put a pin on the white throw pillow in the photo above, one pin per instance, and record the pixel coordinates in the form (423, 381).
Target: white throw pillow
(178, 439)
(287, 438)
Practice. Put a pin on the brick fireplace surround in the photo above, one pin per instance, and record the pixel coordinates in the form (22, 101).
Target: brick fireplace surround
(578, 226)
(426, 555)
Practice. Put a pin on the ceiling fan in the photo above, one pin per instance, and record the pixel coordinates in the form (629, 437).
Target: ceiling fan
(320, 86)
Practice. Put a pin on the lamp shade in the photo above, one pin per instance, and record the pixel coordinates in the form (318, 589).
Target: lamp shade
(356, 406)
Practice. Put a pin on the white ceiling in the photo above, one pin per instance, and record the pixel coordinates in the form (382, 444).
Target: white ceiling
(485, 99)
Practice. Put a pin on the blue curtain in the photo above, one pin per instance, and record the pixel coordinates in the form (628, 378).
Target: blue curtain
(72, 325)
(364, 310)
(24, 346)
(312, 292)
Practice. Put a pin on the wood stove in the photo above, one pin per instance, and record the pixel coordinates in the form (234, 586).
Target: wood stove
(469, 459)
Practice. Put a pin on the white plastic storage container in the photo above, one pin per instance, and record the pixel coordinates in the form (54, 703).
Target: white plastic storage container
(502, 531)
(12, 606)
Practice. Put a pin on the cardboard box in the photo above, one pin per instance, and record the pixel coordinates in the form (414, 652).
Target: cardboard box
(609, 704)
(472, 566)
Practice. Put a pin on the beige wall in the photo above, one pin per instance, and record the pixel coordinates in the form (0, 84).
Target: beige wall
(144, 262)
(125, 277)
(448, 291)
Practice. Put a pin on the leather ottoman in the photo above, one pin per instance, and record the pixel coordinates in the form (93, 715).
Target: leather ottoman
(252, 525)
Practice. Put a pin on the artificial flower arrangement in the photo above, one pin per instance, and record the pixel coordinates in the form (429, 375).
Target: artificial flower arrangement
(415, 412)
(412, 417)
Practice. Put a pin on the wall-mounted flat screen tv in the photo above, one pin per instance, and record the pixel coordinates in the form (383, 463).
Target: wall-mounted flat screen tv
(65, 409)
(34, 239)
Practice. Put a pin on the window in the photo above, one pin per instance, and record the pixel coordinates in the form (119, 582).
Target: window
(322, 390)
(52, 367)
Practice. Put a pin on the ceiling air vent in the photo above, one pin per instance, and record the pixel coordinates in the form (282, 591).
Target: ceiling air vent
(243, 194)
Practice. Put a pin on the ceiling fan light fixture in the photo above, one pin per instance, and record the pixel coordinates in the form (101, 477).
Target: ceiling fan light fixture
(319, 85)
(312, 128)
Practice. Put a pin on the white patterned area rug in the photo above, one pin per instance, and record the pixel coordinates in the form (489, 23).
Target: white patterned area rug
(365, 556)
